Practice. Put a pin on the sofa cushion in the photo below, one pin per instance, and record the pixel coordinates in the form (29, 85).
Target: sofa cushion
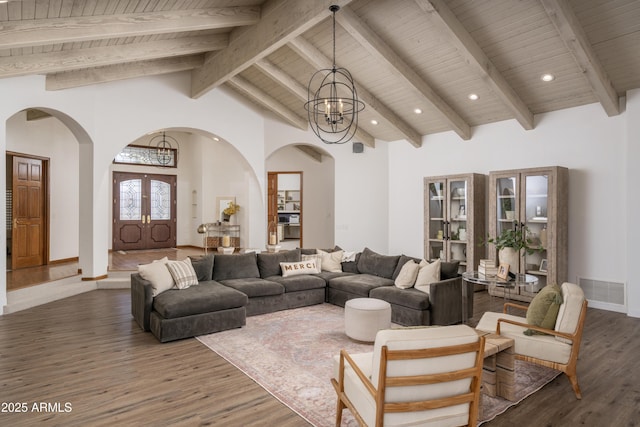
(359, 284)
(235, 266)
(158, 275)
(299, 283)
(411, 298)
(203, 265)
(407, 277)
(183, 273)
(373, 263)
(543, 309)
(449, 269)
(206, 297)
(255, 287)
(269, 263)
(351, 266)
(328, 275)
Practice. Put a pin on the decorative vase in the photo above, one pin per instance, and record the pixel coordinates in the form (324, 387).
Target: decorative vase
(510, 256)
(510, 215)
(226, 217)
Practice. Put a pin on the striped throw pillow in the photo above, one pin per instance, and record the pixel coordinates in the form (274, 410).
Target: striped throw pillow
(183, 273)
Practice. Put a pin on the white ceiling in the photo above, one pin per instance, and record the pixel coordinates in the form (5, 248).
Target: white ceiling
(403, 54)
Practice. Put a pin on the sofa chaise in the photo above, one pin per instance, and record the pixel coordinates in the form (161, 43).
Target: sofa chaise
(231, 287)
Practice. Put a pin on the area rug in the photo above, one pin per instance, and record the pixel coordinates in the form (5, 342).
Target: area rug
(289, 353)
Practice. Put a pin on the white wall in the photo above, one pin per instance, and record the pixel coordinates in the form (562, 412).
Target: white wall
(584, 139)
(632, 231)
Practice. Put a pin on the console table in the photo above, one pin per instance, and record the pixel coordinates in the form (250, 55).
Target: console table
(221, 235)
(481, 279)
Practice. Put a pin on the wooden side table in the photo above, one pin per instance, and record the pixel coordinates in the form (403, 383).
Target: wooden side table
(498, 372)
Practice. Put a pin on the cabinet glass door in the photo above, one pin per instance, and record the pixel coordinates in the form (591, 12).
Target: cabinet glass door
(535, 217)
(437, 218)
(507, 206)
(457, 221)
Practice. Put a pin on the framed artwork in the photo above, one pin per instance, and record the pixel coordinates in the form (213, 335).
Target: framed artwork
(503, 271)
(221, 204)
(543, 266)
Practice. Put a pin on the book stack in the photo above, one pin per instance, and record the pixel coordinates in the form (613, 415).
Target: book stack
(487, 267)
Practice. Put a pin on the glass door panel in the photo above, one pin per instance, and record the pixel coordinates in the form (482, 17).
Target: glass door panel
(536, 192)
(160, 200)
(458, 203)
(506, 208)
(131, 200)
(437, 218)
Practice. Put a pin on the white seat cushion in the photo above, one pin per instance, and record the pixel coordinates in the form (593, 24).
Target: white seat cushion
(569, 312)
(544, 347)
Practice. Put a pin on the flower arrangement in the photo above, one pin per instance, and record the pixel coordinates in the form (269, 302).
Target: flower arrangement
(231, 209)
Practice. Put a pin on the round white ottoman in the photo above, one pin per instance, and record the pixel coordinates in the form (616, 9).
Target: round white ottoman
(364, 317)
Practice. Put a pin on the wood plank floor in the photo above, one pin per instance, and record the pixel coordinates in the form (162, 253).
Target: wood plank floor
(88, 351)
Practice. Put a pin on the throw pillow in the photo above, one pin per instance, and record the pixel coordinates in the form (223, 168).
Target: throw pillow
(183, 273)
(401, 262)
(269, 263)
(331, 261)
(373, 263)
(316, 257)
(300, 267)
(408, 275)
(348, 256)
(158, 274)
(429, 273)
(543, 309)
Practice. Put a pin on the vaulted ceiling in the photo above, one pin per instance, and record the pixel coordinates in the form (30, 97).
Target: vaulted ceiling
(404, 55)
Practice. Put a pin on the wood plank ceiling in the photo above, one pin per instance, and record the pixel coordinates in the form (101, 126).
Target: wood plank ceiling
(404, 55)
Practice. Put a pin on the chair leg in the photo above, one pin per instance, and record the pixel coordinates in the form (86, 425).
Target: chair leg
(339, 408)
(573, 378)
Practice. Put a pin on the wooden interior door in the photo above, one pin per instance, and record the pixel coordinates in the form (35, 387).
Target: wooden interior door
(28, 212)
(144, 211)
(272, 202)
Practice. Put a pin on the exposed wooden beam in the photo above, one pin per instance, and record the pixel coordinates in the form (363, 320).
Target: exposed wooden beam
(384, 53)
(53, 62)
(109, 73)
(311, 152)
(442, 16)
(574, 37)
(282, 21)
(261, 98)
(17, 34)
(291, 84)
(318, 59)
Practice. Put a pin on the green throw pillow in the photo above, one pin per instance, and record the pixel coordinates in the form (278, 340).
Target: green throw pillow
(543, 310)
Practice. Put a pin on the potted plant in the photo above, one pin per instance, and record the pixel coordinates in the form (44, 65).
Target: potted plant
(512, 243)
(507, 207)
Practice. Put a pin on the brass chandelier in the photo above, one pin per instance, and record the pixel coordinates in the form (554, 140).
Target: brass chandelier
(332, 101)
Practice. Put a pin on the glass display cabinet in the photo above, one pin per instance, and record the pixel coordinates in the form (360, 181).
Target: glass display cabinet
(454, 218)
(534, 201)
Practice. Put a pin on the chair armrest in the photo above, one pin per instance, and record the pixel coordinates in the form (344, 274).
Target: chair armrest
(445, 299)
(141, 301)
(510, 304)
(534, 328)
(344, 357)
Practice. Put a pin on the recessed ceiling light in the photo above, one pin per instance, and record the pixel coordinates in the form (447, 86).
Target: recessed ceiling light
(417, 111)
(547, 77)
(374, 122)
(215, 138)
(473, 96)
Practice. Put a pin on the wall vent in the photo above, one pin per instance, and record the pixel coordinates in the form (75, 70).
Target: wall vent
(604, 294)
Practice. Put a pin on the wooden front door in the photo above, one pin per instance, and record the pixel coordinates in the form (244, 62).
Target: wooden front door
(144, 211)
(28, 212)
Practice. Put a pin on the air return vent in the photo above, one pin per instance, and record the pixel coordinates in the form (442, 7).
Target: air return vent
(604, 294)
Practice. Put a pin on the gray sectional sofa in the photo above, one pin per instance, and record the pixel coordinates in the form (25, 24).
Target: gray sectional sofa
(231, 287)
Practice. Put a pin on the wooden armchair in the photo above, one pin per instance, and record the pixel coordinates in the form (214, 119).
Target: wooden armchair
(558, 348)
(414, 376)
